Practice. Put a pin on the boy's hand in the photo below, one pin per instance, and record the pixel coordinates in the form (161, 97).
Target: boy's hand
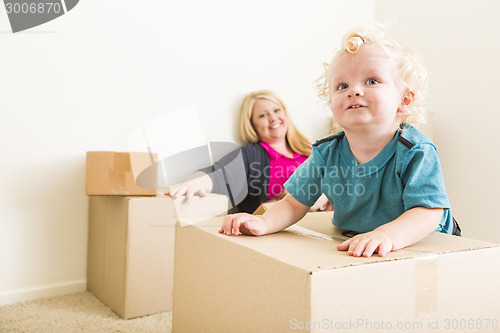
(368, 243)
(242, 224)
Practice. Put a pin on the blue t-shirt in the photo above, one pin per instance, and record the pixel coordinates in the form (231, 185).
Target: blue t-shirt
(405, 174)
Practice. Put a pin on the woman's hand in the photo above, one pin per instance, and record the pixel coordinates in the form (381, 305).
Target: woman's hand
(200, 184)
(243, 224)
(368, 243)
(321, 204)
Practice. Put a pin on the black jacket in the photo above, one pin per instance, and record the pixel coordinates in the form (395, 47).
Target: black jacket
(242, 175)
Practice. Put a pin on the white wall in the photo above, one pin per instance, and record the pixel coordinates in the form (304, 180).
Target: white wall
(460, 42)
(84, 81)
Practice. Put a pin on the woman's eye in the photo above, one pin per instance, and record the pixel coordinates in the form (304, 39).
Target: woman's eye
(371, 82)
(277, 110)
(342, 86)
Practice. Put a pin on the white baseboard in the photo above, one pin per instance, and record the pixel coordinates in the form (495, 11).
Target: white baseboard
(26, 294)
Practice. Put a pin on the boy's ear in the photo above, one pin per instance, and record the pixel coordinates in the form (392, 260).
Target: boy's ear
(407, 101)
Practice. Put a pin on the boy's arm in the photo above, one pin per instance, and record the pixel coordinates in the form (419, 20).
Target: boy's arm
(279, 216)
(411, 227)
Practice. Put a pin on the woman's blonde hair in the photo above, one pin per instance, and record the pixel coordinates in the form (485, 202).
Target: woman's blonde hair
(295, 139)
(413, 74)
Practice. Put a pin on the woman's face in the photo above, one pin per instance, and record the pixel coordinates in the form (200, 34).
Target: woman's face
(269, 120)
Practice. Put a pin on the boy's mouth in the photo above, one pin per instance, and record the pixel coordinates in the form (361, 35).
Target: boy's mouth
(355, 106)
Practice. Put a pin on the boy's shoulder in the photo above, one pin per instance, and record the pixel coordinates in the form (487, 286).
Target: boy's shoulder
(329, 139)
(410, 136)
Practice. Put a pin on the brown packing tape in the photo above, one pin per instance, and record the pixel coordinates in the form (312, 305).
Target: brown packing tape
(311, 233)
(118, 176)
(426, 285)
(299, 230)
(119, 181)
(121, 162)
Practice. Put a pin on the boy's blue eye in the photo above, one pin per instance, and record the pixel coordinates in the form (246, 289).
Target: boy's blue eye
(372, 82)
(342, 86)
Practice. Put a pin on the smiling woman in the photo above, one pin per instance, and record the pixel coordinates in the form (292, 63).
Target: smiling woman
(273, 149)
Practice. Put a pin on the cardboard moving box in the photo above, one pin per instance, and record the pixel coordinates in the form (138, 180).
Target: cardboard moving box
(111, 173)
(131, 249)
(263, 207)
(296, 280)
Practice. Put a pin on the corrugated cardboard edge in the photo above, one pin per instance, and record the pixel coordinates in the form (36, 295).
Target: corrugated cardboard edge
(403, 254)
(411, 254)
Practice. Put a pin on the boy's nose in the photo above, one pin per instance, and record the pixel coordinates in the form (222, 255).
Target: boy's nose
(355, 92)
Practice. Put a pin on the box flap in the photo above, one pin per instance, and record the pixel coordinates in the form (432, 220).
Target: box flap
(263, 207)
(311, 244)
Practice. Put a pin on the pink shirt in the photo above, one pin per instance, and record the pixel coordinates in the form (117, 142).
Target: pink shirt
(282, 168)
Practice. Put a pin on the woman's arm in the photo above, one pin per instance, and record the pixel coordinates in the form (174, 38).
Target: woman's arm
(200, 184)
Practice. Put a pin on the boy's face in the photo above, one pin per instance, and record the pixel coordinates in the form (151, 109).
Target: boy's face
(366, 91)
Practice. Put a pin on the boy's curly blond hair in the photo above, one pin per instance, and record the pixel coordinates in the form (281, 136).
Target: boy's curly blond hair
(413, 74)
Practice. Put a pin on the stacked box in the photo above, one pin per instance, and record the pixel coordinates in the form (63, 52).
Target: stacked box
(131, 248)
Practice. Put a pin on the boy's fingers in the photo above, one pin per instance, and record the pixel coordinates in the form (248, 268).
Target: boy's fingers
(226, 224)
(245, 221)
(236, 226)
(358, 247)
(247, 228)
(370, 248)
(344, 246)
(384, 248)
(231, 224)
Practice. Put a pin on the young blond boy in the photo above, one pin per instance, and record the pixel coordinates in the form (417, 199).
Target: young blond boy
(382, 175)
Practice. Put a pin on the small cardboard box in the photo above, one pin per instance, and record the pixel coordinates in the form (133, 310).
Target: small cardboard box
(111, 173)
(266, 205)
(131, 249)
(263, 207)
(296, 280)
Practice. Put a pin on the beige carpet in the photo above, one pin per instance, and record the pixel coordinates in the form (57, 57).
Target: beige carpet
(78, 312)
